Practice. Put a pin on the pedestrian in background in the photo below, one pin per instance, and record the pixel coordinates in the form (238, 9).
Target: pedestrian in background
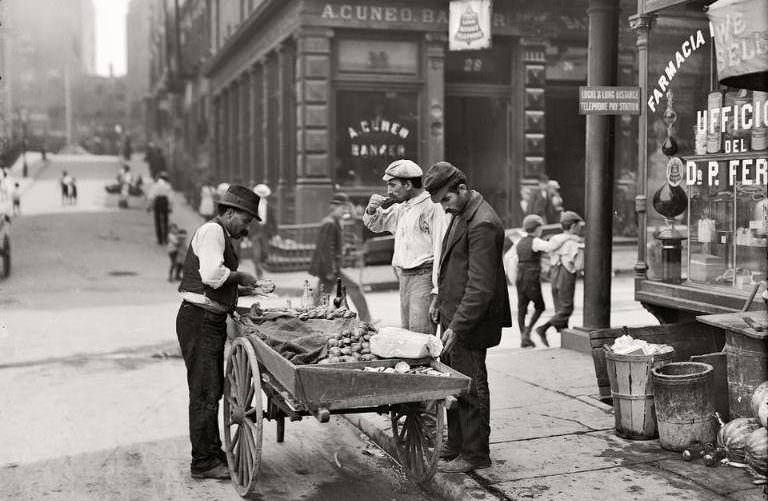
(65, 182)
(328, 256)
(418, 225)
(125, 178)
(262, 231)
(73, 190)
(181, 256)
(565, 265)
(159, 201)
(556, 199)
(540, 202)
(472, 307)
(173, 247)
(525, 273)
(5, 185)
(207, 208)
(16, 199)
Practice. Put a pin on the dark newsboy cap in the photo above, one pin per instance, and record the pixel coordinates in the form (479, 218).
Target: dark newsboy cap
(440, 177)
(340, 199)
(241, 198)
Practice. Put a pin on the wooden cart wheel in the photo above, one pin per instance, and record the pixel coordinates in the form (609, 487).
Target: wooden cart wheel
(418, 432)
(243, 416)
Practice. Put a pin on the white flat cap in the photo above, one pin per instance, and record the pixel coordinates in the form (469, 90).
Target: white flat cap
(402, 169)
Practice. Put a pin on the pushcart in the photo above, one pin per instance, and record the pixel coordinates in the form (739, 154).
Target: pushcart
(415, 404)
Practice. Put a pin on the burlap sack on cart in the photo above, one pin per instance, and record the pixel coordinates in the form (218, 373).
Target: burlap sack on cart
(299, 341)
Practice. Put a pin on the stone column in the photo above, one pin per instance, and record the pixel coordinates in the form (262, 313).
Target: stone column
(433, 127)
(244, 122)
(266, 153)
(602, 61)
(214, 135)
(226, 131)
(534, 59)
(257, 144)
(313, 135)
(282, 153)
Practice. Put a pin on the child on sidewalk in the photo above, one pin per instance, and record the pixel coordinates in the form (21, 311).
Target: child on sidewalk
(565, 266)
(181, 256)
(526, 274)
(16, 199)
(173, 249)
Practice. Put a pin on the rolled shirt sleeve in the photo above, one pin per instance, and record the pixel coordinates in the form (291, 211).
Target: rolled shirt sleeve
(208, 245)
(383, 219)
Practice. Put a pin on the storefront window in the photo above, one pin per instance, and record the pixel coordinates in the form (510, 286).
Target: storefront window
(377, 56)
(719, 130)
(372, 130)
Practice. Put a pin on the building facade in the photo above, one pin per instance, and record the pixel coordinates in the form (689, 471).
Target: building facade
(316, 96)
(49, 49)
(137, 33)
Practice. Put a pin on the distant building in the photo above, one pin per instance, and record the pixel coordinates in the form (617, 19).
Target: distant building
(137, 24)
(45, 43)
(102, 113)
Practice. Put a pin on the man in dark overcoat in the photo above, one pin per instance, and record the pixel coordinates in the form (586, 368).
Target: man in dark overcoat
(472, 307)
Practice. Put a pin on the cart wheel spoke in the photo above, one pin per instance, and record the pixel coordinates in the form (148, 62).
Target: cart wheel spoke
(418, 434)
(243, 435)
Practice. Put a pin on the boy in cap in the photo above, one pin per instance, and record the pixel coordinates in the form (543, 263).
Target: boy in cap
(418, 225)
(209, 291)
(562, 274)
(472, 308)
(526, 266)
(328, 257)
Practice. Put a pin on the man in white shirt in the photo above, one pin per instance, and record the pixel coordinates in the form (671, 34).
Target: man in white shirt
(209, 289)
(159, 201)
(418, 225)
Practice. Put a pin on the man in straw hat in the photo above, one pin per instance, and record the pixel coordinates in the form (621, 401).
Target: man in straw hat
(418, 225)
(472, 308)
(262, 229)
(209, 290)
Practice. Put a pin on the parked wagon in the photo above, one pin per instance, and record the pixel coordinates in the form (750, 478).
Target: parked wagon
(414, 402)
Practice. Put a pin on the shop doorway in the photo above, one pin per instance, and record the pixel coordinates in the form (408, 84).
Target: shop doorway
(566, 130)
(476, 141)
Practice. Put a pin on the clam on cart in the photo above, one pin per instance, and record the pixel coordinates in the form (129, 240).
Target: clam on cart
(414, 402)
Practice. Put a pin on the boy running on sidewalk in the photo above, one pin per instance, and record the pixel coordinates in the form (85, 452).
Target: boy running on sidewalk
(526, 266)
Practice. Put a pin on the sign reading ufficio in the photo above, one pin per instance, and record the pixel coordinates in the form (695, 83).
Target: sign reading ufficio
(601, 100)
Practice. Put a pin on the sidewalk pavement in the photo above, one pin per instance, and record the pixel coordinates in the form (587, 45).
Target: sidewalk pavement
(551, 438)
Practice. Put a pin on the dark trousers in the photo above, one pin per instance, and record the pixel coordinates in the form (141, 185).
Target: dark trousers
(528, 290)
(202, 335)
(469, 424)
(175, 270)
(354, 292)
(161, 219)
(563, 289)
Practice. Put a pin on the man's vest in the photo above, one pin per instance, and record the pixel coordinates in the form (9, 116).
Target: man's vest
(226, 295)
(527, 260)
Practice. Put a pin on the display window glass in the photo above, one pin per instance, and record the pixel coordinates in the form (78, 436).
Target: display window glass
(721, 154)
(373, 128)
(377, 56)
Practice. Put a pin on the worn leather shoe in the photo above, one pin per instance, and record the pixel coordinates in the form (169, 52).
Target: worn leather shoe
(461, 465)
(542, 332)
(218, 472)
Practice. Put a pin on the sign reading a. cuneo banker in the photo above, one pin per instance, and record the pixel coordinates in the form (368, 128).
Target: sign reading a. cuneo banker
(601, 100)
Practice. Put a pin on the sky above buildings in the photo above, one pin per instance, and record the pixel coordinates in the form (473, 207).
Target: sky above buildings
(110, 35)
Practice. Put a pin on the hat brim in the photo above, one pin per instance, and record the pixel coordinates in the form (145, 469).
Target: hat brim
(387, 177)
(242, 208)
(438, 195)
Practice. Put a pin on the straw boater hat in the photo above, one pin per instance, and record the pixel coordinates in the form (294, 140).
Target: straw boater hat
(262, 190)
(241, 198)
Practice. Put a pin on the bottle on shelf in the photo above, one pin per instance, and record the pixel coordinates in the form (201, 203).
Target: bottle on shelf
(344, 302)
(305, 299)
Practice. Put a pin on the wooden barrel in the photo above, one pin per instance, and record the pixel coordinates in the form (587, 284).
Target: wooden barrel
(685, 404)
(632, 392)
(747, 368)
(687, 338)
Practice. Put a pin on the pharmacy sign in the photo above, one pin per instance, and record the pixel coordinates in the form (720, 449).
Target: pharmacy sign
(469, 25)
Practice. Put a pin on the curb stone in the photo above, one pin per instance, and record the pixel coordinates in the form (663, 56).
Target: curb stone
(450, 486)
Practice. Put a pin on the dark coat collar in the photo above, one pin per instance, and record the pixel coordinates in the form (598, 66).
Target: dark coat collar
(460, 223)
